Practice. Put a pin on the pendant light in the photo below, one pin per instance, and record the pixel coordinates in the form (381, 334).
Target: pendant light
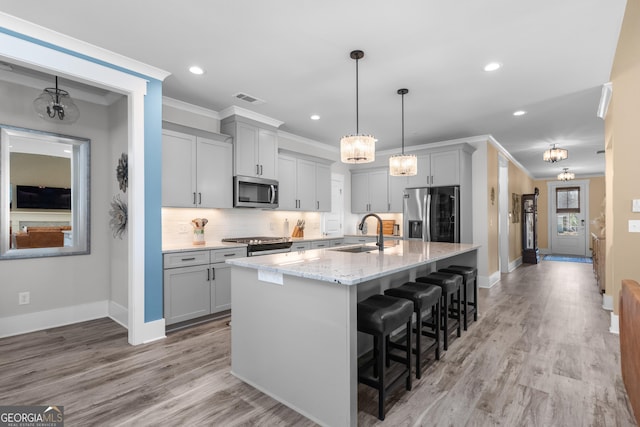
(403, 164)
(358, 148)
(555, 154)
(565, 175)
(55, 105)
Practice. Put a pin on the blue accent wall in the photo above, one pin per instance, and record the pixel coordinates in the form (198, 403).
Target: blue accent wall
(153, 289)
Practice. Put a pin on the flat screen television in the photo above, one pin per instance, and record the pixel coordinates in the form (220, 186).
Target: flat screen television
(32, 197)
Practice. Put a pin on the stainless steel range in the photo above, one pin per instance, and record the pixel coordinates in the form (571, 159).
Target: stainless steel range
(263, 245)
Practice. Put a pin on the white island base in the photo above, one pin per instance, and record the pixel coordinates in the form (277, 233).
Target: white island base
(295, 338)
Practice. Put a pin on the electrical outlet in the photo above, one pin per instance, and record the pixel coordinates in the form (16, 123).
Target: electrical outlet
(183, 229)
(24, 298)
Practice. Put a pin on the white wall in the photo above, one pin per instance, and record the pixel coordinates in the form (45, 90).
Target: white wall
(119, 247)
(56, 283)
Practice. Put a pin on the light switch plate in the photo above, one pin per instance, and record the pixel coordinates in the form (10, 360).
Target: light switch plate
(634, 226)
(635, 206)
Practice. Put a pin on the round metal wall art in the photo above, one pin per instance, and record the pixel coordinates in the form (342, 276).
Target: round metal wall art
(118, 214)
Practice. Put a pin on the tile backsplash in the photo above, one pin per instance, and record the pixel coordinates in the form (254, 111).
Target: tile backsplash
(177, 229)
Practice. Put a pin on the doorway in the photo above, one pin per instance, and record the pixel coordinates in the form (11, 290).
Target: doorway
(568, 214)
(332, 221)
(503, 212)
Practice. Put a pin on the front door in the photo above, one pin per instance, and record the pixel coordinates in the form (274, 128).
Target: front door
(568, 217)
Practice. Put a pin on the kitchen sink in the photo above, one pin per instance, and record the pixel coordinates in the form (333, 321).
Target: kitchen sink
(356, 249)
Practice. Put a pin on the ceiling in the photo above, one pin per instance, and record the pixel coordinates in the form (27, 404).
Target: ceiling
(294, 54)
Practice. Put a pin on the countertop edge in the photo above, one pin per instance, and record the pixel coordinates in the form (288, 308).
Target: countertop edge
(254, 264)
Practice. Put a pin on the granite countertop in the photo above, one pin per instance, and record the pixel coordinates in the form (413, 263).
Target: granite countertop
(347, 268)
(213, 244)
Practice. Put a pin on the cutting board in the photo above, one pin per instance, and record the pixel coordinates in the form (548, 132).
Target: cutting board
(387, 227)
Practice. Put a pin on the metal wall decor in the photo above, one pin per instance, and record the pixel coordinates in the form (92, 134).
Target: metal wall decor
(118, 214)
(122, 172)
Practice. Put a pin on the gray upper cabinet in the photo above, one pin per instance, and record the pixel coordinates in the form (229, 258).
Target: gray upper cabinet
(255, 149)
(196, 171)
(304, 185)
(437, 169)
(323, 188)
(369, 191)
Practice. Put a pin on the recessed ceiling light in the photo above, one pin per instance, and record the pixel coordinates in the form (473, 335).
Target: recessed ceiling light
(315, 117)
(519, 113)
(196, 70)
(492, 66)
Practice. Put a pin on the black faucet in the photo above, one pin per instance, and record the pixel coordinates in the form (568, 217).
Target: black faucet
(380, 242)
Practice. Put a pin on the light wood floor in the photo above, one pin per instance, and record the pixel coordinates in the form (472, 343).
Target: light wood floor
(540, 355)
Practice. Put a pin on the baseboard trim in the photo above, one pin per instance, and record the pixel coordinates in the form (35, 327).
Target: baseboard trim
(488, 282)
(153, 331)
(119, 313)
(37, 321)
(607, 302)
(515, 264)
(615, 324)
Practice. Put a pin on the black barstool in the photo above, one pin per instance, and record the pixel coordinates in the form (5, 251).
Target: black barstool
(380, 315)
(424, 296)
(450, 284)
(469, 275)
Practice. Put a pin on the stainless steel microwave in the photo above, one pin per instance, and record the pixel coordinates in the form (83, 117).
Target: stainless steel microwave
(250, 192)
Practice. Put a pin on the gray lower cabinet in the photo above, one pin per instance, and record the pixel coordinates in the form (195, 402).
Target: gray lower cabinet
(300, 246)
(197, 283)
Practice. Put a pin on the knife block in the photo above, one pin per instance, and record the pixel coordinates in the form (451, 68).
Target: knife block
(297, 232)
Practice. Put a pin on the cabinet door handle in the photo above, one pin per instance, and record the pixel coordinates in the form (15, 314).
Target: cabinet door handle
(194, 198)
(257, 169)
(189, 259)
(213, 274)
(388, 206)
(260, 169)
(317, 205)
(199, 198)
(208, 276)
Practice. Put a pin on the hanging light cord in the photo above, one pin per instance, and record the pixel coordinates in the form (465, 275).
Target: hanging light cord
(403, 123)
(357, 101)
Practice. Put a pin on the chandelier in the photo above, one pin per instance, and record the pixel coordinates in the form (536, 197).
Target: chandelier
(555, 154)
(403, 164)
(55, 105)
(565, 175)
(358, 148)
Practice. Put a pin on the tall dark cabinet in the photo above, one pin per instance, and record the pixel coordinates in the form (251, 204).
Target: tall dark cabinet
(530, 253)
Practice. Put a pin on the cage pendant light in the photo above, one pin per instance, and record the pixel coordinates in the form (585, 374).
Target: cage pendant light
(555, 154)
(55, 105)
(565, 175)
(358, 148)
(403, 164)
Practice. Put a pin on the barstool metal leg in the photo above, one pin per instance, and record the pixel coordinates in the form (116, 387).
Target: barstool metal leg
(381, 390)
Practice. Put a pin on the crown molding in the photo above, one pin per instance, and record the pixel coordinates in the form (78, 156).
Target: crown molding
(184, 106)
(50, 37)
(239, 111)
(308, 141)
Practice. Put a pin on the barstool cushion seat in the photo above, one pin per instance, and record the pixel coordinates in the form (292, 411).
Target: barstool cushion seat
(381, 314)
(469, 273)
(423, 295)
(447, 281)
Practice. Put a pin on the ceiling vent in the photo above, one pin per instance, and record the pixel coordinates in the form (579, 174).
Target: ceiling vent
(248, 98)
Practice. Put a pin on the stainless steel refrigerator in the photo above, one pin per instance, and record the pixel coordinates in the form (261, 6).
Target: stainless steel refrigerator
(431, 214)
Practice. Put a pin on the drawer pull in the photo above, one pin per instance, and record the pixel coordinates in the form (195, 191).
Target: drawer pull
(230, 254)
(189, 259)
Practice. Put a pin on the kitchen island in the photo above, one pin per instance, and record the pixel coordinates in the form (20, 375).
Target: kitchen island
(294, 326)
